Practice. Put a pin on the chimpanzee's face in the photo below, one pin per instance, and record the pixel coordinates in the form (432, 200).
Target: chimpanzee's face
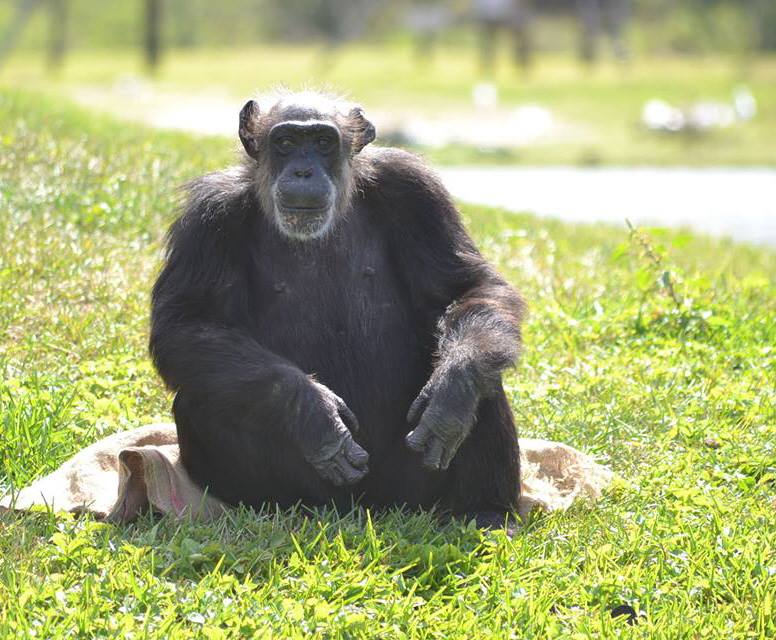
(305, 159)
(301, 152)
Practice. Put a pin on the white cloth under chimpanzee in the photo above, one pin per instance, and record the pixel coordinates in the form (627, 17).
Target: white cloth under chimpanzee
(134, 471)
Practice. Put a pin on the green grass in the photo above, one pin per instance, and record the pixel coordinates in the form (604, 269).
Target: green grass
(675, 392)
(600, 108)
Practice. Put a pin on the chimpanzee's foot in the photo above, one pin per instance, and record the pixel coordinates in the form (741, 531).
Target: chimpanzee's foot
(495, 520)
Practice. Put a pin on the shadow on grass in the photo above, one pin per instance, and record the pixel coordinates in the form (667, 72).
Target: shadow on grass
(425, 548)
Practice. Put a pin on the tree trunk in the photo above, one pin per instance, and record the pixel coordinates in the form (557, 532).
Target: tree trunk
(153, 30)
(57, 34)
(21, 17)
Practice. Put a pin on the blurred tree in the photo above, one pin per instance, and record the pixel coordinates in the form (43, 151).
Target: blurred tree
(656, 25)
(336, 21)
(153, 30)
(427, 19)
(21, 15)
(494, 16)
(763, 13)
(602, 16)
(56, 41)
(58, 16)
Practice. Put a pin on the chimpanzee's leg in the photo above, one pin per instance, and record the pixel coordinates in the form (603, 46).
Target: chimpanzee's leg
(239, 462)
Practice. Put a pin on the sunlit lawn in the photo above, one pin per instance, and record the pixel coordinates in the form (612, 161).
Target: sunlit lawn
(597, 110)
(676, 395)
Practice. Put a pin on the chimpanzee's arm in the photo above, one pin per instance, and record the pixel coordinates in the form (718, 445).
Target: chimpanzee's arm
(477, 314)
(479, 337)
(201, 349)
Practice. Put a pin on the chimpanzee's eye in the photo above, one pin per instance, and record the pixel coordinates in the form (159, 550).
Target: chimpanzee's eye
(325, 143)
(285, 144)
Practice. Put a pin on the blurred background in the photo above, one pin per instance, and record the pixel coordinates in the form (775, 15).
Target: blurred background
(659, 111)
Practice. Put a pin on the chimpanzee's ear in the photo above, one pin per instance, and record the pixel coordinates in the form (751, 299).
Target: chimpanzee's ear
(248, 129)
(363, 130)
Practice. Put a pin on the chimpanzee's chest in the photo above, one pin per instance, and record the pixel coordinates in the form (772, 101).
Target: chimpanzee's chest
(339, 308)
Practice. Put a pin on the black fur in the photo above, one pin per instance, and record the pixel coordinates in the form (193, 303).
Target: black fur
(395, 296)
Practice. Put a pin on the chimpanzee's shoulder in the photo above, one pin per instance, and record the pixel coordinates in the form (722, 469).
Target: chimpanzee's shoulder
(399, 175)
(217, 198)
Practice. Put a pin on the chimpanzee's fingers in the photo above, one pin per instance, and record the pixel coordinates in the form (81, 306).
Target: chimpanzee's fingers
(329, 470)
(417, 438)
(447, 456)
(355, 454)
(348, 417)
(417, 408)
(346, 473)
(434, 454)
(333, 471)
(351, 474)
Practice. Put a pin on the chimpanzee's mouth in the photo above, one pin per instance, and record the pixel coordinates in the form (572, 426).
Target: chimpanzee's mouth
(304, 210)
(304, 216)
(303, 221)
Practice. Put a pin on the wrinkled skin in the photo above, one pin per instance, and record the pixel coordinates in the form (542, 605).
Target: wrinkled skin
(335, 456)
(442, 416)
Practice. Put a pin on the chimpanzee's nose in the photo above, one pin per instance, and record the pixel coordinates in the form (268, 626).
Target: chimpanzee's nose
(303, 173)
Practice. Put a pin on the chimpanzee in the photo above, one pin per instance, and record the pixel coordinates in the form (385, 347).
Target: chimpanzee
(330, 331)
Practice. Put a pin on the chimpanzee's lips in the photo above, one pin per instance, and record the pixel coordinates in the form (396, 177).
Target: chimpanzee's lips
(305, 210)
(304, 215)
(304, 221)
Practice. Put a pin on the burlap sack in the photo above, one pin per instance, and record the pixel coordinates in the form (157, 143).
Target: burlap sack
(133, 471)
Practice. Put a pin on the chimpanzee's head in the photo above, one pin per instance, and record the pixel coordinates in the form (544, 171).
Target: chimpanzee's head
(303, 146)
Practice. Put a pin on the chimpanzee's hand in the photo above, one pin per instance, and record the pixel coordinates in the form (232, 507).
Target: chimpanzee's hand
(443, 415)
(329, 446)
